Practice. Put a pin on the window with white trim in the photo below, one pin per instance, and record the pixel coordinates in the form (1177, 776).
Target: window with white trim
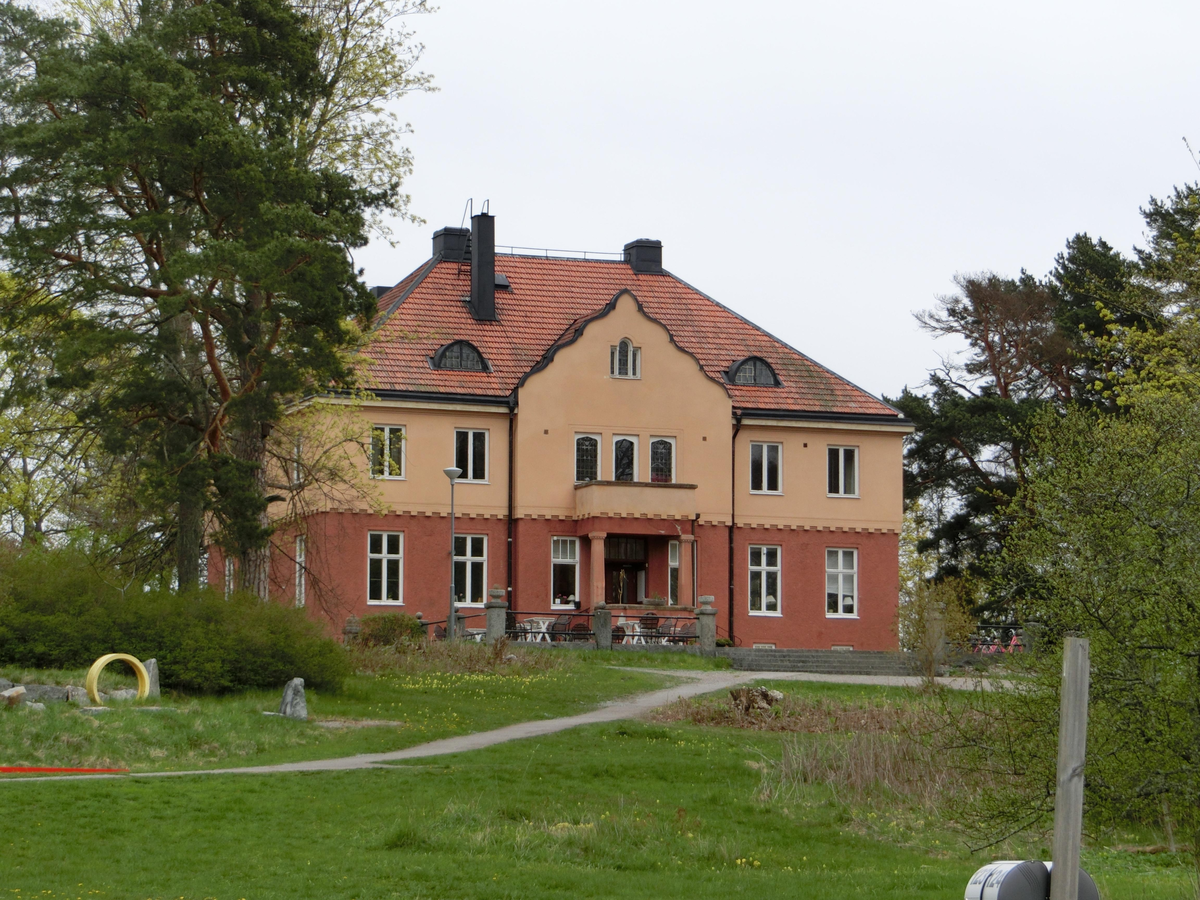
(764, 580)
(385, 567)
(470, 568)
(297, 463)
(587, 457)
(301, 586)
(841, 583)
(662, 460)
(625, 457)
(564, 571)
(471, 454)
(387, 451)
(229, 573)
(673, 570)
(766, 468)
(625, 360)
(843, 471)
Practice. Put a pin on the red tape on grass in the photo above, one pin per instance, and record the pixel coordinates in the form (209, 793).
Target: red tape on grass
(58, 769)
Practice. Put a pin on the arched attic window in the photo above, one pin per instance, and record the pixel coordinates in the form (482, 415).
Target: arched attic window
(753, 370)
(625, 360)
(461, 356)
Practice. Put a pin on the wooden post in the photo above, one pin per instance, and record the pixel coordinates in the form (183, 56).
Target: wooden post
(1068, 797)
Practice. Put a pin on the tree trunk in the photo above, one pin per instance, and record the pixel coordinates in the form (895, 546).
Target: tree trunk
(256, 559)
(188, 541)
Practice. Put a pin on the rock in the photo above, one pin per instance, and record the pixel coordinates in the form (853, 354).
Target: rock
(293, 705)
(44, 692)
(77, 695)
(13, 695)
(94, 710)
(5, 684)
(747, 699)
(123, 694)
(151, 666)
(37, 707)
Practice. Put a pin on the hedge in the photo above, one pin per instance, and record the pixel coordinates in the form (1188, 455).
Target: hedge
(57, 611)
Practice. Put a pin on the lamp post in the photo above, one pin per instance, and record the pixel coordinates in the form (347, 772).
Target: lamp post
(452, 473)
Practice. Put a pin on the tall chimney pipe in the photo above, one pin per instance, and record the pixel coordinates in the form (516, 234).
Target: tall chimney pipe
(483, 266)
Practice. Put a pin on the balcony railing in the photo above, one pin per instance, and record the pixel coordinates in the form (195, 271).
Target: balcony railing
(640, 499)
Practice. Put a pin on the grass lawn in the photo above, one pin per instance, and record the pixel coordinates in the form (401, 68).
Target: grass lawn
(619, 810)
(220, 731)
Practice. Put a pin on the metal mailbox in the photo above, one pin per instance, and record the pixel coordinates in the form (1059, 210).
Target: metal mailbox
(1012, 879)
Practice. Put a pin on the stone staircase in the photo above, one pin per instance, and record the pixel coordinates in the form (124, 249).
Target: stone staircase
(822, 662)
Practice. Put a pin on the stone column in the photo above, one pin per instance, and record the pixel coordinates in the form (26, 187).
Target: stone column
(496, 610)
(602, 626)
(706, 630)
(597, 544)
(687, 545)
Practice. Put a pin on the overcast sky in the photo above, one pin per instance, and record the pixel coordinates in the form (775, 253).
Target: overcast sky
(822, 168)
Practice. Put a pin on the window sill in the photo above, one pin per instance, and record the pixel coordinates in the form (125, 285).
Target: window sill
(830, 615)
(767, 493)
(389, 478)
(626, 377)
(385, 603)
(470, 481)
(843, 496)
(772, 615)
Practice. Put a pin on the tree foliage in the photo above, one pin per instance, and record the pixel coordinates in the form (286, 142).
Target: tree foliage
(185, 183)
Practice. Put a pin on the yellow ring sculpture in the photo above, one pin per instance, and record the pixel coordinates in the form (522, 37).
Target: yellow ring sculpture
(93, 675)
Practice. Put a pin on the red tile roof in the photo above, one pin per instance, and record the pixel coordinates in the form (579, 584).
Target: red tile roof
(549, 299)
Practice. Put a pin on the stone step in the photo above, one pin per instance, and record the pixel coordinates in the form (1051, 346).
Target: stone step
(819, 662)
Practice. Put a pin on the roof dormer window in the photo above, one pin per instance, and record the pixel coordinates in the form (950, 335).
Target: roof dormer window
(625, 360)
(461, 356)
(753, 370)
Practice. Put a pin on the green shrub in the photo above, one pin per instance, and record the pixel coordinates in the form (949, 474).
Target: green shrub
(390, 630)
(58, 611)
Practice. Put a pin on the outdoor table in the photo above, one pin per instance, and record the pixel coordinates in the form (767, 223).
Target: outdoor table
(539, 627)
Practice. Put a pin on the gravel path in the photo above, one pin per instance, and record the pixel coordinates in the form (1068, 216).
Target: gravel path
(612, 711)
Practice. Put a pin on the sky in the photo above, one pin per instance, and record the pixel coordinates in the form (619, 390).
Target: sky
(824, 169)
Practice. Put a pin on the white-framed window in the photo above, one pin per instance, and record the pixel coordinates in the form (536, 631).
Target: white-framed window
(673, 573)
(297, 463)
(625, 360)
(625, 457)
(843, 471)
(764, 580)
(470, 568)
(301, 586)
(766, 468)
(385, 567)
(841, 583)
(662, 459)
(229, 573)
(471, 454)
(564, 571)
(587, 457)
(387, 451)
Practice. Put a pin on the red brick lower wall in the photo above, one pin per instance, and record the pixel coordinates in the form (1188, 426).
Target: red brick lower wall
(336, 584)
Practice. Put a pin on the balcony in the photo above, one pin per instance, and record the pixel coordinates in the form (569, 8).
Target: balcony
(636, 499)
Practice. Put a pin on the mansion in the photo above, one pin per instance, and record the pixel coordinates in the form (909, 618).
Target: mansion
(622, 438)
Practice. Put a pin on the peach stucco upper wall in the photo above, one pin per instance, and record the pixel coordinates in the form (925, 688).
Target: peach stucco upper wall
(575, 394)
(429, 448)
(804, 500)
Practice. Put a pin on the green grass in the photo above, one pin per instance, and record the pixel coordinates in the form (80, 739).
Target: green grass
(222, 731)
(622, 810)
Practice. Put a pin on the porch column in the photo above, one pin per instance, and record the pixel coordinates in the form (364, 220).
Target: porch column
(597, 544)
(687, 545)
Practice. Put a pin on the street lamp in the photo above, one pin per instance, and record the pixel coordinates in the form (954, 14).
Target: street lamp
(452, 473)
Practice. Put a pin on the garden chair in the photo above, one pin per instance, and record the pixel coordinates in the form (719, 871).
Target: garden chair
(560, 629)
(580, 632)
(684, 634)
(618, 634)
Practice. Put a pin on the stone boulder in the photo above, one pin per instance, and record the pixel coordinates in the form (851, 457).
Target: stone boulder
(122, 694)
(13, 696)
(755, 698)
(77, 695)
(5, 684)
(294, 705)
(151, 667)
(43, 692)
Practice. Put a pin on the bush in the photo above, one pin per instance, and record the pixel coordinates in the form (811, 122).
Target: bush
(390, 630)
(58, 611)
